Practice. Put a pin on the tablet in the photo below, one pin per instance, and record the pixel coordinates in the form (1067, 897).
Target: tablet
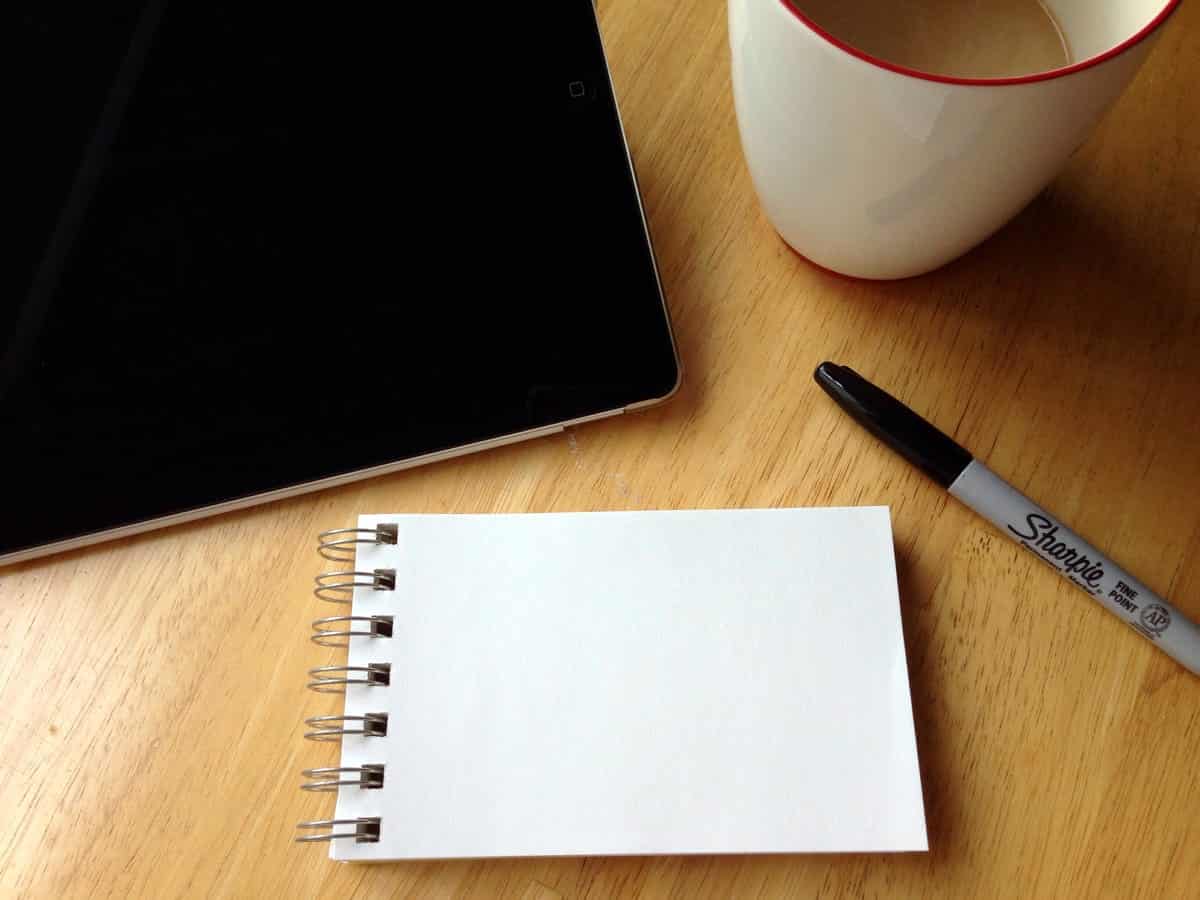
(265, 248)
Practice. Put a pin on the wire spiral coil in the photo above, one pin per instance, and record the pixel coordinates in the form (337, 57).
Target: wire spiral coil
(338, 544)
(377, 626)
(338, 587)
(372, 725)
(326, 680)
(366, 830)
(341, 545)
(370, 777)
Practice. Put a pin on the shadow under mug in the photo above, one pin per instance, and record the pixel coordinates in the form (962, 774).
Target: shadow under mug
(877, 171)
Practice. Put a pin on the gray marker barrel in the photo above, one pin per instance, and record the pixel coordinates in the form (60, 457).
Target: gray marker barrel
(1078, 561)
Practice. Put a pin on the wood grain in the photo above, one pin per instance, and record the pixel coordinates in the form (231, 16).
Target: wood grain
(151, 690)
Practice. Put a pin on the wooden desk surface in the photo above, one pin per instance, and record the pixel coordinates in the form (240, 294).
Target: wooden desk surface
(151, 690)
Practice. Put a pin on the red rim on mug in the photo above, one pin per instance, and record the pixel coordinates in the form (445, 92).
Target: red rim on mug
(1049, 74)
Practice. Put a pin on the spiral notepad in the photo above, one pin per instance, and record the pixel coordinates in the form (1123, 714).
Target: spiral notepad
(721, 681)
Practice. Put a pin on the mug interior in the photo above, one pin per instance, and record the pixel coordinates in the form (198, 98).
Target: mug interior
(1094, 30)
(1094, 27)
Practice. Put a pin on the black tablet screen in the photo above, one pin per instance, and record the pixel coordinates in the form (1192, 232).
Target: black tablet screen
(261, 244)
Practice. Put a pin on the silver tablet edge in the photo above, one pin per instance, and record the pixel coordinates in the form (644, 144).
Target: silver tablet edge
(306, 488)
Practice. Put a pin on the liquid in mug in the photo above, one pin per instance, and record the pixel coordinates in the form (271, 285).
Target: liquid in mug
(956, 38)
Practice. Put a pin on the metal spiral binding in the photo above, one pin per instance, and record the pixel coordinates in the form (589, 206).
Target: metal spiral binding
(323, 682)
(340, 545)
(378, 626)
(338, 587)
(373, 725)
(370, 777)
(366, 830)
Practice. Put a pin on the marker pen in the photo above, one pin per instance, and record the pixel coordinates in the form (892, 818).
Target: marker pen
(1013, 513)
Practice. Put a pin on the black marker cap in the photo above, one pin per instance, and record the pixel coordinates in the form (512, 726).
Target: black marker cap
(895, 424)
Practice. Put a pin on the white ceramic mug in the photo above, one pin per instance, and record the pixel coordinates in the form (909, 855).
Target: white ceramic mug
(877, 171)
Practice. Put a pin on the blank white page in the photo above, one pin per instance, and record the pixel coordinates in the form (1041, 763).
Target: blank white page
(720, 681)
